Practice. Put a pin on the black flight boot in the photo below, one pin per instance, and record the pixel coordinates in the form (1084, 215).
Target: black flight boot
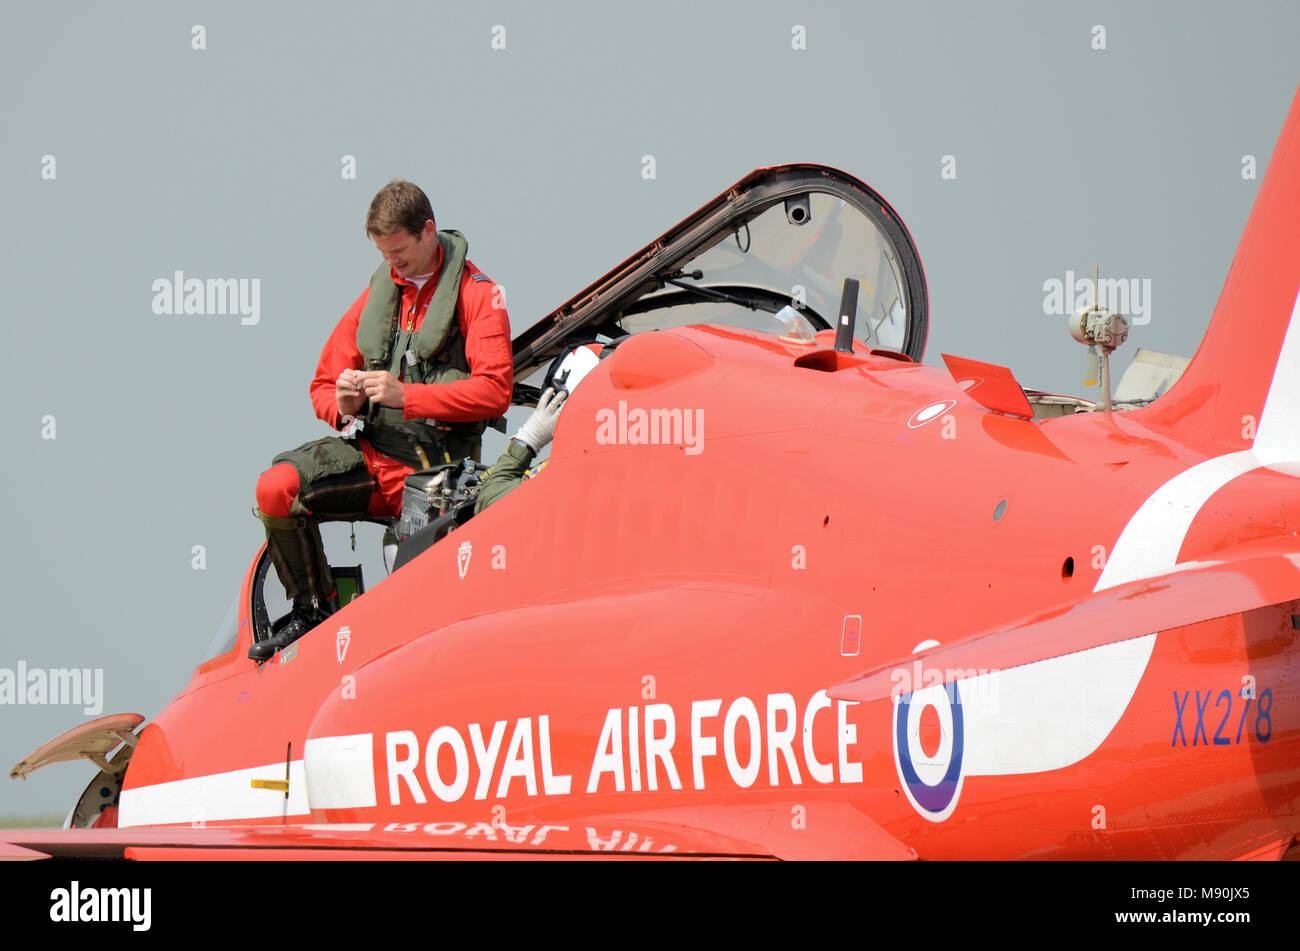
(299, 559)
(295, 624)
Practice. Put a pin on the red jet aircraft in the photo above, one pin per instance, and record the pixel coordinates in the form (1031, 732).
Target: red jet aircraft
(783, 595)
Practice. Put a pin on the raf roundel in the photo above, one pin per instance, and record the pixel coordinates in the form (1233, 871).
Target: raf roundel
(929, 748)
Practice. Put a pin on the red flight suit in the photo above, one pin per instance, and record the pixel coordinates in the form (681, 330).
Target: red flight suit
(485, 326)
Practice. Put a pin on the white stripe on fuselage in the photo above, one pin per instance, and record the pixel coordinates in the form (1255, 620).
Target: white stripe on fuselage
(1051, 713)
(1149, 544)
(215, 797)
(342, 773)
(342, 776)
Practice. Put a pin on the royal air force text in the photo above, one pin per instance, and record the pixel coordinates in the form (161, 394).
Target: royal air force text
(638, 749)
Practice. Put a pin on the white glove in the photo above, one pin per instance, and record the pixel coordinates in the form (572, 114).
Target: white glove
(539, 429)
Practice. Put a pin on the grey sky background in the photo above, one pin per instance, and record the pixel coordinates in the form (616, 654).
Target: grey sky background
(225, 163)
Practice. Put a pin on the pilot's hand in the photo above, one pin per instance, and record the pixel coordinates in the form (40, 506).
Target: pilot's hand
(347, 392)
(539, 429)
(382, 387)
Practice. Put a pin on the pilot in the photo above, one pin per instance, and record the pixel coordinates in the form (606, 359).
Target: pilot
(410, 377)
(513, 465)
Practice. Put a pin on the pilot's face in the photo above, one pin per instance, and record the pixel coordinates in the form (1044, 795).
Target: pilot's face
(408, 254)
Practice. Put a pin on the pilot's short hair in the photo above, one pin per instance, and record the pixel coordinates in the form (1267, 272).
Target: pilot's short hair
(398, 206)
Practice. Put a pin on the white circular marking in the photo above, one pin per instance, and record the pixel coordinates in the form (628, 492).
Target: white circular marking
(924, 415)
(969, 384)
(924, 646)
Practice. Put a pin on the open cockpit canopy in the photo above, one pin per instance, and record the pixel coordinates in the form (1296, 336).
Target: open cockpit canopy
(783, 237)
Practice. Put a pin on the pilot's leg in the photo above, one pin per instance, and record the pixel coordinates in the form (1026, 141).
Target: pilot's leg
(325, 478)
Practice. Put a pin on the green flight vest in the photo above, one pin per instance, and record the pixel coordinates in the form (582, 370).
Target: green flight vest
(437, 355)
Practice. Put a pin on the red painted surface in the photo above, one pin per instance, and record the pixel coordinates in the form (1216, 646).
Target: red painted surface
(632, 583)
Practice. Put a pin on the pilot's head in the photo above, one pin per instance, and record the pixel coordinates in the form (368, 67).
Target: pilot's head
(401, 224)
